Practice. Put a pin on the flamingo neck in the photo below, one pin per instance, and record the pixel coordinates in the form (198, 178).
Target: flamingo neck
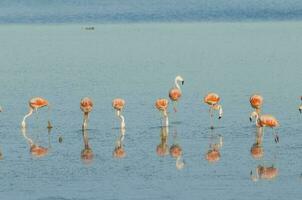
(166, 118)
(23, 124)
(30, 141)
(85, 121)
(220, 111)
(119, 114)
(176, 83)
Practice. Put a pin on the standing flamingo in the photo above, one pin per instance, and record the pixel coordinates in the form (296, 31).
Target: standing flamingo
(175, 92)
(263, 172)
(34, 105)
(86, 105)
(212, 99)
(267, 121)
(256, 102)
(162, 106)
(119, 104)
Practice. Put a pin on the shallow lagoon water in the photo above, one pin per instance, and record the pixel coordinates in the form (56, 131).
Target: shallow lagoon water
(138, 62)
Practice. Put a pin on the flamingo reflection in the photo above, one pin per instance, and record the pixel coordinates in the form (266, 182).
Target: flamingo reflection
(86, 153)
(212, 99)
(216, 142)
(162, 148)
(257, 148)
(35, 149)
(34, 104)
(176, 152)
(263, 172)
(175, 92)
(119, 151)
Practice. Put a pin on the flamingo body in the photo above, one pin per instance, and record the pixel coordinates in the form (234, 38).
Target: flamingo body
(212, 99)
(268, 121)
(86, 105)
(175, 94)
(161, 104)
(118, 104)
(256, 101)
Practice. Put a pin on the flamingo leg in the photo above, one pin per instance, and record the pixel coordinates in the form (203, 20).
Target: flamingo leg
(211, 118)
(276, 136)
(174, 106)
(85, 121)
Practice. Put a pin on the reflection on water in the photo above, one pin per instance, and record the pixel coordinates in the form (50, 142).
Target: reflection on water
(162, 148)
(262, 171)
(257, 148)
(35, 149)
(176, 152)
(86, 153)
(216, 141)
(119, 150)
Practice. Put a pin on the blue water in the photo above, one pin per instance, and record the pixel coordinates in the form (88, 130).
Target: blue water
(138, 62)
(108, 11)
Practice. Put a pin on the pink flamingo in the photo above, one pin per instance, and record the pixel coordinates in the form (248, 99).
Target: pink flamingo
(175, 92)
(86, 106)
(34, 105)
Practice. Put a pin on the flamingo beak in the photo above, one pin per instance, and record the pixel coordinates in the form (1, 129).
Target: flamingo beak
(251, 119)
(183, 82)
(219, 117)
(300, 110)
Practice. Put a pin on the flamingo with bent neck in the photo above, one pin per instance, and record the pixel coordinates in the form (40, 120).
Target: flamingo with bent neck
(175, 93)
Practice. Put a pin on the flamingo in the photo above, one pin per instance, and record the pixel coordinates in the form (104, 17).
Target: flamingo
(175, 92)
(86, 105)
(256, 102)
(212, 99)
(35, 150)
(86, 153)
(119, 104)
(162, 106)
(119, 151)
(263, 172)
(300, 107)
(267, 121)
(163, 148)
(34, 104)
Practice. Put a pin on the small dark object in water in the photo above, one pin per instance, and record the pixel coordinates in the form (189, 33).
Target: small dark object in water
(1, 156)
(89, 28)
(60, 139)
